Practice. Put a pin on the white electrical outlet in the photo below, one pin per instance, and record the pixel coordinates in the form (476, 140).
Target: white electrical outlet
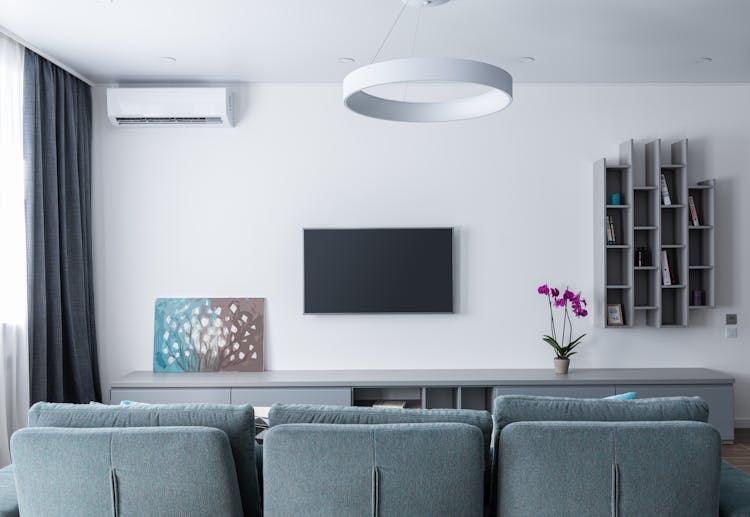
(730, 332)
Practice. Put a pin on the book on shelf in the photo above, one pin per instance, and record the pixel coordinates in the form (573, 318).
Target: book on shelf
(398, 404)
(693, 211)
(665, 197)
(666, 269)
(610, 230)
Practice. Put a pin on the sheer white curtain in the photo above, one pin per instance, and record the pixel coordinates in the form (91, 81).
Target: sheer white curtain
(14, 350)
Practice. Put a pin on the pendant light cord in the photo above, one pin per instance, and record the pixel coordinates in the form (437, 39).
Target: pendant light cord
(395, 22)
(416, 30)
(413, 46)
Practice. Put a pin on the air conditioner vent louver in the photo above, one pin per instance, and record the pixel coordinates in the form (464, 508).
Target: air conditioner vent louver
(172, 107)
(168, 120)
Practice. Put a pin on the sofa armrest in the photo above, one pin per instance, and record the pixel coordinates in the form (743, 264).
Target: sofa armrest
(734, 492)
(8, 499)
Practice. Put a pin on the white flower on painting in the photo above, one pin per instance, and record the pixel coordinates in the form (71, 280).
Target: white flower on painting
(166, 335)
(186, 353)
(218, 322)
(222, 342)
(233, 329)
(244, 318)
(231, 357)
(165, 350)
(233, 308)
(241, 355)
(236, 346)
(204, 321)
(170, 359)
(175, 346)
(218, 311)
(255, 355)
(253, 327)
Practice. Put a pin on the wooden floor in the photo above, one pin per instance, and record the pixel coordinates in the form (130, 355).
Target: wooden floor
(738, 454)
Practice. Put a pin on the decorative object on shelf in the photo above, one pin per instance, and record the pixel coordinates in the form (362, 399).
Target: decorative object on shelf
(615, 199)
(421, 70)
(614, 315)
(666, 271)
(699, 297)
(642, 257)
(666, 199)
(611, 239)
(568, 302)
(208, 334)
(693, 212)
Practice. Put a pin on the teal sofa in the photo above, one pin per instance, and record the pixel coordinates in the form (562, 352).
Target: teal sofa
(533, 456)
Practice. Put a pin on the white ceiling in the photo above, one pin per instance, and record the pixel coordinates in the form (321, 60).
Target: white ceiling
(301, 40)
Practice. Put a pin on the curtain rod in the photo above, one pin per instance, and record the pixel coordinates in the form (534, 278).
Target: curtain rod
(46, 56)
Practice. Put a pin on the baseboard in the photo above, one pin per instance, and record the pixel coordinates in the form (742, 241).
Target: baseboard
(742, 423)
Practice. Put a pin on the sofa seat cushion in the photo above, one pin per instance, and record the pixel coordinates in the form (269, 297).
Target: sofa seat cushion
(734, 492)
(237, 422)
(8, 499)
(321, 414)
(522, 408)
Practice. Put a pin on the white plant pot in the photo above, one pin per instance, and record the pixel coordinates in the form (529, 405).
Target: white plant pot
(561, 365)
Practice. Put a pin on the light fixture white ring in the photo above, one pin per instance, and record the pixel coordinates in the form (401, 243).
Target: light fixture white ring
(409, 70)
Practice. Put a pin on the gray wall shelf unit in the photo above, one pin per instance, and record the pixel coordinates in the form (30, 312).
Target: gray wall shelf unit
(469, 389)
(644, 221)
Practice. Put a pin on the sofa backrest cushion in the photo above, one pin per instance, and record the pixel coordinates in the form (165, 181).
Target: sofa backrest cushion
(384, 469)
(323, 414)
(603, 468)
(521, 408)
(187, 471)
(236, 421)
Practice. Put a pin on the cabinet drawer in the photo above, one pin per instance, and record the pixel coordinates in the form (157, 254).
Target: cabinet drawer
(269, 396)
(171, 395)
(578, 392)
(719, 397)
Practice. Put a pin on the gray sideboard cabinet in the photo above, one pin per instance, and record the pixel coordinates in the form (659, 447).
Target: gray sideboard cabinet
(470, 389)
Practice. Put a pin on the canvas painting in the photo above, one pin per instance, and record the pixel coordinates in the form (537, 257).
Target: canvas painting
(208, 334)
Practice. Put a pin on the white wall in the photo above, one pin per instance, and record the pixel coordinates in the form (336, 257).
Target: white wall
(212, 212)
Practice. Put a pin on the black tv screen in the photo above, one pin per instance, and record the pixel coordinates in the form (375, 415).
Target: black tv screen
(379, 270)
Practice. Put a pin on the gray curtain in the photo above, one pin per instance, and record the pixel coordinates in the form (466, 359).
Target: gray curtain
(57, 149)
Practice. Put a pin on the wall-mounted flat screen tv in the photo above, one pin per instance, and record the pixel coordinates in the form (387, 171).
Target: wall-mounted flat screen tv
(378, 270)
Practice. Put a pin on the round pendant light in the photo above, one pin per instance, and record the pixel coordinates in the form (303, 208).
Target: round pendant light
(426, 70)
(421, 70)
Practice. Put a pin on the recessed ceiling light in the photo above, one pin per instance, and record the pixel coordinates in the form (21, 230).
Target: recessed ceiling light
(168, 60)
(347, 60)
(527, 59)
(706, 60)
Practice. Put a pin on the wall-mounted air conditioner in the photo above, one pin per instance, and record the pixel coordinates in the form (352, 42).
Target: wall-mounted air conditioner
(175, 107)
